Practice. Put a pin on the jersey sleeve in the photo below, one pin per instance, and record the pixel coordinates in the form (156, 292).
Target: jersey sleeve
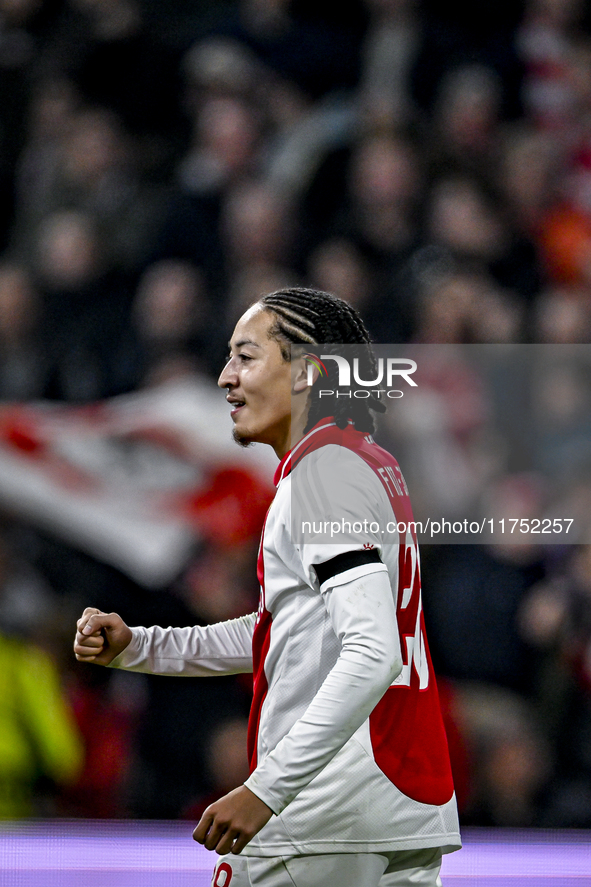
(337, 505)
(363, 615)
(195, 651)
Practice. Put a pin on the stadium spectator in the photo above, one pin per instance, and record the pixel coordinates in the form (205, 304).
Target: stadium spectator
(465, 122)
(226, 764)
(555, 619)
(258, 228)
(21, 356)
(544, 41)
(94, 172)
(562, 315)
(41, 748)
(337, 265)
(224, 149)
(370, 192)
(391, 43)
(117, 61)
(465, 219)
(25, 31)
(311, 49)
(510, 756)
(526, 174)
(84, 309)
(465, 305)
(171, 321)
(107, 713)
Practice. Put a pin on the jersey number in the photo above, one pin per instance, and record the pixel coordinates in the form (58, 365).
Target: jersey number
(416, 653)
(223, 876)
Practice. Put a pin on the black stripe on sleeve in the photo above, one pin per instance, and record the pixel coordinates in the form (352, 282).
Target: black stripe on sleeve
(346, 561)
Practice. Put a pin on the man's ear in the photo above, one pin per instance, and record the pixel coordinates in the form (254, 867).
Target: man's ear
(302, 371)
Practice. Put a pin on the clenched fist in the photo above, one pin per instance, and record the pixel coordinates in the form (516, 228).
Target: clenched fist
(100, 636)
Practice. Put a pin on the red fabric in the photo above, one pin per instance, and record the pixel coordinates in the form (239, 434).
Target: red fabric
(260, 647)
(459, 750)
(406, 726)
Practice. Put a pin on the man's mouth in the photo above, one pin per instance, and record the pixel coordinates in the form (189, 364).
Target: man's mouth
(236, 406)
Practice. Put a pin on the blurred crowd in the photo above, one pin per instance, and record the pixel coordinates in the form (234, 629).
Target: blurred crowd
(159, 170)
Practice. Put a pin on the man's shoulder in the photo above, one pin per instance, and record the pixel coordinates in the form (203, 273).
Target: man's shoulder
(360, 453)
(334, 474)
(331, 458)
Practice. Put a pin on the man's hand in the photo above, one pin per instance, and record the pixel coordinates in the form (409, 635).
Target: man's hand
(230, 823)
(100, 636)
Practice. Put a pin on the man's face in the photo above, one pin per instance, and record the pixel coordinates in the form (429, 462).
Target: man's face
(258, 381)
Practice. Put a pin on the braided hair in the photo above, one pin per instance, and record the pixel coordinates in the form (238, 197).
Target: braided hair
(310, 317)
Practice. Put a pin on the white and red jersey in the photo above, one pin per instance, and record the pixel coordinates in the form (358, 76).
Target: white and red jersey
(351, 754)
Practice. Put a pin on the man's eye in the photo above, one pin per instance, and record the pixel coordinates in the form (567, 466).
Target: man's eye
(241, 357)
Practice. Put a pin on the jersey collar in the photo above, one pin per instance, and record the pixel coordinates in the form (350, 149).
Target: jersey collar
(325, 431)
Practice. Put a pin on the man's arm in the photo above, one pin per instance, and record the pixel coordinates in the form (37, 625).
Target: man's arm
(225, 648)
(363, 614)
(196, 651)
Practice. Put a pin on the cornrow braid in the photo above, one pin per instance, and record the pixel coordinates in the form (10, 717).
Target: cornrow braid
(310, 317)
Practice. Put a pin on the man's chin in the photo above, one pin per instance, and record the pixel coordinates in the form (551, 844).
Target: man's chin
(242, 439)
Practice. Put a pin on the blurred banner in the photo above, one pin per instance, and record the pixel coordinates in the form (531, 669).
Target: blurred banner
(135, 481)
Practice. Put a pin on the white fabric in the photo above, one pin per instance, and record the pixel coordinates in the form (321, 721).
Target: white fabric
(362, 615)
(403, 869)
(195, 651)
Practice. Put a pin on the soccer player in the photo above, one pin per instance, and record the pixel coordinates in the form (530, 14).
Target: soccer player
(350, 777)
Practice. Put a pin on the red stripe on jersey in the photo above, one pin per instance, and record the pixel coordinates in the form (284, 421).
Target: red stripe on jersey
(410, 745)
(406, 726)
(260, 647)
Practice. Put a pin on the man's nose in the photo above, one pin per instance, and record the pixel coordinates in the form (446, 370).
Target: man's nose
(228, 377)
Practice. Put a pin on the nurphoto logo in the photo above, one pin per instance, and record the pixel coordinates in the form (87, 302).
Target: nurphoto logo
(314, 361)
(387, 371)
